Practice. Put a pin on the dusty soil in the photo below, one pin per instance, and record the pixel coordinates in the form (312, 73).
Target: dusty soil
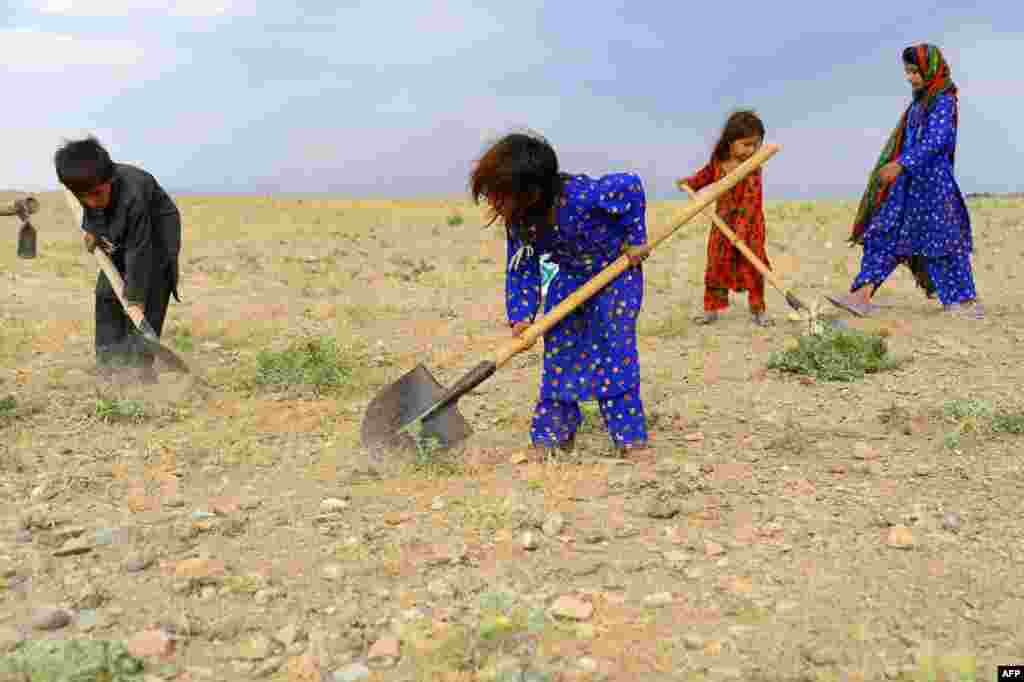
(781, 529)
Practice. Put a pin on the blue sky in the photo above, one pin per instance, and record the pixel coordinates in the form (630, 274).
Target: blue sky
(398, 98)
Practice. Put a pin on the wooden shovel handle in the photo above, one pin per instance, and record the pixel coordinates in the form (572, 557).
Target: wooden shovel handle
(116, 282)
(737, 242)
(576, 298)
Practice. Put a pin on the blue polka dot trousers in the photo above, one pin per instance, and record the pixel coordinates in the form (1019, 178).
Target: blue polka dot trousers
(952, 274)
(556, 421)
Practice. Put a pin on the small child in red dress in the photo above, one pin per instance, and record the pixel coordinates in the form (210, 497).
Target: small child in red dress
(742, 208)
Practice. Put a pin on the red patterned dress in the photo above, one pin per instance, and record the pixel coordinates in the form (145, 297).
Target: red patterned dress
(742, 209)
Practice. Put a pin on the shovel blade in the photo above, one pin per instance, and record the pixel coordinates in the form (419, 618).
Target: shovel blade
(27, 241)
(398, 404)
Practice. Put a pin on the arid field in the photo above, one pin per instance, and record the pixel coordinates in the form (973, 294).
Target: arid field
(784, 527)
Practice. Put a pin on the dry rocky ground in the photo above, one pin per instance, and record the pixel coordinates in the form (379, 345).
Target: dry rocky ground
(229, 528)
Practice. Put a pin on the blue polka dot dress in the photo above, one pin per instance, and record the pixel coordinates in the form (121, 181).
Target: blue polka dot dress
(924, 214)
(592, 353)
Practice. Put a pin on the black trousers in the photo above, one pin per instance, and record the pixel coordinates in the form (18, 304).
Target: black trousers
(117, 342)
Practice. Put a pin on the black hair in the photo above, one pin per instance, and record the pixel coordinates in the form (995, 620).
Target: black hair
(83, 164)
(519, 175)
(741, 124)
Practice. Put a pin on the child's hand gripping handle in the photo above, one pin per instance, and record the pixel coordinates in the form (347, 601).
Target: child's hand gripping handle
(791, 299)
(137, 317)
(575, 299)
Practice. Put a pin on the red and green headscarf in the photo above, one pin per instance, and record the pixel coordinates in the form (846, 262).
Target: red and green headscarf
(935, 73)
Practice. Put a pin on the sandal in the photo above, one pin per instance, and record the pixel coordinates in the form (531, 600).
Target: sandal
(967, 311)
(706, 318)
(627, 449)
(850, 306)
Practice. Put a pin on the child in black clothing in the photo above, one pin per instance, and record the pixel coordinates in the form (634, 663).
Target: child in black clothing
(128, 215)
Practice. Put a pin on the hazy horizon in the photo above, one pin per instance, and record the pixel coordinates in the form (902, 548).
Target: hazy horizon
(245, 97)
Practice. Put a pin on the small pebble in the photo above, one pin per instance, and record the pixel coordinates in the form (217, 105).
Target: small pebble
(333, 504)
(952, 522)
(88, 619)
(529, 541)
(138, 562)
(659, 599)
(74, 547)
(693, 642)
(437, 504)
(553, 525)
(352, 673)
(49, 618)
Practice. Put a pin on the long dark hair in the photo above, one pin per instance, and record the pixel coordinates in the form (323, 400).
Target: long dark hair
(741, 124)
(519, 176)
(83, 164)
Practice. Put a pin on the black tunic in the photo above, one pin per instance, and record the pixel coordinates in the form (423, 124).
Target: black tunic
(144, 225)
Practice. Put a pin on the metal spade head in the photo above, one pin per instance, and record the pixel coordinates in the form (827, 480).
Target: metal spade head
(27, 241)
(398, 404)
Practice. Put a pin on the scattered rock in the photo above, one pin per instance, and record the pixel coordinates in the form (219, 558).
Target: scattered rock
(384, 652)
(267, 595)
(572, 608)
(333, 505)
(333, 572)
(952, 522)
(74, 547)
(553, 525)
(104, 537)
(354, 672)
(713, 647)
(529, 541)
(900, 537)
(201, 570)
(693, 642)
(256, 648)
(151, 644)
(659, 599)
(289, 634)
(50, 618)
(138, 562)
(304, 669)
(713, 549)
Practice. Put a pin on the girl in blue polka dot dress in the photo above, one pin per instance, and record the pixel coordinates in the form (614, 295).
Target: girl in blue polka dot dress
(583, 224)
(913, 212)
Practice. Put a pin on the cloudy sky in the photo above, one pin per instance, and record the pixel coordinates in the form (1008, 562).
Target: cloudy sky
(398, 98)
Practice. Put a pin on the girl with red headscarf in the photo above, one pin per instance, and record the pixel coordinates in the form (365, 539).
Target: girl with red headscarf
(913, 212)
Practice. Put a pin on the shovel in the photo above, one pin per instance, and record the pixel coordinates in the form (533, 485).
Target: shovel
(149, 337)
(27, 235)
(416, 409)
(794, 302)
